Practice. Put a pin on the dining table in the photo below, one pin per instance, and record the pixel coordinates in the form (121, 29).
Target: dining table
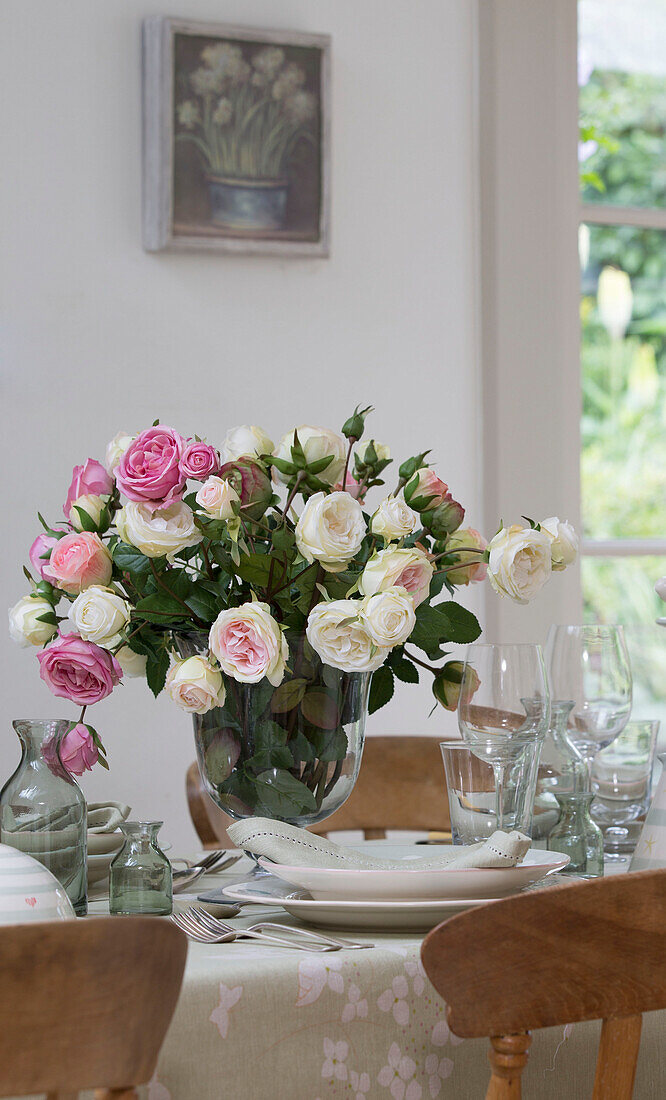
(260, 1022)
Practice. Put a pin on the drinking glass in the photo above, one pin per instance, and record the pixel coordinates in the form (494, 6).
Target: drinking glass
(589, 666)
(470, 784)
(504, 708)
(621, 780)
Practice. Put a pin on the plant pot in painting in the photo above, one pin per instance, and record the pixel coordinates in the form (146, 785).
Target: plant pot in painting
(248, 203)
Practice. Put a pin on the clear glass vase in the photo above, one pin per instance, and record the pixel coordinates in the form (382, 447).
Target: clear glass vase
(140, 880)
(43, 810)
(291, 753)
(577, 835)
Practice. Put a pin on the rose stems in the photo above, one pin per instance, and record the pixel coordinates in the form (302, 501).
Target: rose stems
(423, 664)
(161, 584)
(300, 476)
(334, 778)
(344, 476)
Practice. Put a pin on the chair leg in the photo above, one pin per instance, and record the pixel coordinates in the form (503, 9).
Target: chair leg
(508, 1058)
(617, 1057)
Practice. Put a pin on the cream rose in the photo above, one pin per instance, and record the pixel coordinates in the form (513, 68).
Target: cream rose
(519, 562)
(247, 441)
(116, 448)
(217, 498)
(316, 443)
(92, 504)
(99, 615)
(341, 643)
(164, 531)
(564, 542)
(248, 644)
(330, 530)
(24, 626)
(382, 451)
(195, 686)
(132, 664)
(394, 567)
(389, 616)
(393, 519)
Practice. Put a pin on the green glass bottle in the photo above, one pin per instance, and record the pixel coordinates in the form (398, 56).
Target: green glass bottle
(140, 879)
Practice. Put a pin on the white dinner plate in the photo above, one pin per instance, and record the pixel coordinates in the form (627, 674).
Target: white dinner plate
(413, 915)
(345, 884)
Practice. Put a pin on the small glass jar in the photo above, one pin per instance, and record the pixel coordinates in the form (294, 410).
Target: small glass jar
(576, 835)
(140, 878)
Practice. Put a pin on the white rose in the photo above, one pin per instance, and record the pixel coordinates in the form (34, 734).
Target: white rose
(195, 686)
(132, 664)
(389, 616)
(99, 615)
(116, 449)
(340, 643)
(330, 530)
(406, 567)
(382, 451)
(92, 504)
(24, 627)
(520, 563)
(564, 542)
(247, 440)
(217, 498)
(165, 531)
(248, 644)
(316, 443)
(393, 519)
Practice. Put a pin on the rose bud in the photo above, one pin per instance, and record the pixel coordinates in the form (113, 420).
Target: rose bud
(252, 483)
(447, 685)
(472, 567)
(444, 519)
(425, 491)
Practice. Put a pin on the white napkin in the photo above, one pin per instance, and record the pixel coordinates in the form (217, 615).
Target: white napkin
(296, 847)
(105, 817)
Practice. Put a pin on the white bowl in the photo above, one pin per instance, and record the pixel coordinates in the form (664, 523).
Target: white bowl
(28, 891)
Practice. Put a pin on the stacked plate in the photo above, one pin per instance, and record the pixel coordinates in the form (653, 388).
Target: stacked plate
(409, 898)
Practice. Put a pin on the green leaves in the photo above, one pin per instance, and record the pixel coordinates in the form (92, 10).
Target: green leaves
(288, 695)
(446, 622)
(283, 795)
(381, 688)
(130, 560)
(321, 710)
(157, 666)
(403, 669)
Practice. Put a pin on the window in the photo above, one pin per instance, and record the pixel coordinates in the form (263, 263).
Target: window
(622, 239)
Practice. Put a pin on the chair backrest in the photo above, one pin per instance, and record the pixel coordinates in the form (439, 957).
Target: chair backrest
(401, 785)
(582, 951)
(86, 1004)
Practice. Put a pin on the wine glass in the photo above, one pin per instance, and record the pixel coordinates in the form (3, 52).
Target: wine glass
(589, 666)
(504, 706)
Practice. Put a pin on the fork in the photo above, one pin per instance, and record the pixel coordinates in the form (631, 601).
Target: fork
(328, 942)
(190, 923)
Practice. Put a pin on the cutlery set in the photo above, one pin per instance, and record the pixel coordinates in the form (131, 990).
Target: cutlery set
(199, 925)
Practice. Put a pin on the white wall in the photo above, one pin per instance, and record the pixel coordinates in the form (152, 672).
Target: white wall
(98, 336)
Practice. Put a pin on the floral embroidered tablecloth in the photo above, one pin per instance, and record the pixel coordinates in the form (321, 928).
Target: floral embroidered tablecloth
(264, 1023)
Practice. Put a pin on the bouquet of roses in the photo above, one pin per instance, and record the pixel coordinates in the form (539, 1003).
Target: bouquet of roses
(271, 568)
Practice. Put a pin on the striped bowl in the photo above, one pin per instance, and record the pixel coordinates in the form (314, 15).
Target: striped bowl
(28, 891)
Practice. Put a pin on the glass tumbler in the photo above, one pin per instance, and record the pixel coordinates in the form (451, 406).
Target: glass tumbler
(621, 781)
(141, 878)
(472, 795)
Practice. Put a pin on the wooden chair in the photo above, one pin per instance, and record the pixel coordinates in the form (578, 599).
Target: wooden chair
(582, 951)
(85, 1004)
(401, 785)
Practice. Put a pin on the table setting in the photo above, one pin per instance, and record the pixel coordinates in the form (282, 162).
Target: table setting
(278, 632)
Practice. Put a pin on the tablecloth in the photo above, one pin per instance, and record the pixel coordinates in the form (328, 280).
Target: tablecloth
(263, 1023)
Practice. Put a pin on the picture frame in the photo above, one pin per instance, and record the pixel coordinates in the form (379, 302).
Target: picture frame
(236, 139)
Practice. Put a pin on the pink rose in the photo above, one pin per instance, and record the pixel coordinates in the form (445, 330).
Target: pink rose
(199, 461)
(252, 483)
(43, 544)
(149, 471)
(78, 751)
(352, 486)
(248, 644)
(88, 480)
(79, 560)
(425, 490)
(78, 670)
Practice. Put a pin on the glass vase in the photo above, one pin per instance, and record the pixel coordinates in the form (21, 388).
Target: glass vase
(43, 810)
(140, 880)
(577, 835)
(290, 753)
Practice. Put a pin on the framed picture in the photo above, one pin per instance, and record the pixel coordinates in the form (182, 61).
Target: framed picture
(236, 139)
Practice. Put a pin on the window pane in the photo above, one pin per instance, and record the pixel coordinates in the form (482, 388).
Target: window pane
(621, 590)
(622, 77)
(623, 351)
